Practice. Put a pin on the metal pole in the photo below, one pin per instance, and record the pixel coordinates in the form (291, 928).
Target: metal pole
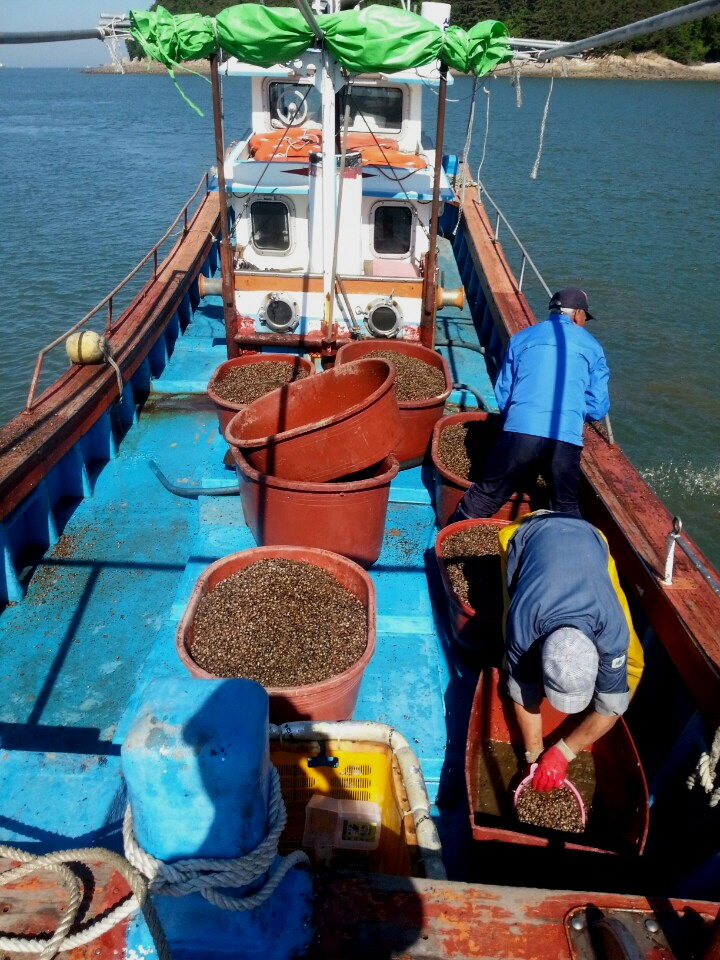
(226, 258)
(307, 11)
(693, 11)
(52, 36)
(427, 319)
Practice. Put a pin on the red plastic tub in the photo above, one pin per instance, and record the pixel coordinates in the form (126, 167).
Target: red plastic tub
(346, 516)
(476, 630)
(616, 799)
(327, 426)
(417, 417)
(331, 699)
(227, 410)
(450, 488)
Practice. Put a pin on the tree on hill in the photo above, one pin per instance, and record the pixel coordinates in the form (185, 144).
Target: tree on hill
(565, 20)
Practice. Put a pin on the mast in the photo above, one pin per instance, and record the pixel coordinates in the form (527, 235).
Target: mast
(226, 258)
(329, 212)
(429, 307)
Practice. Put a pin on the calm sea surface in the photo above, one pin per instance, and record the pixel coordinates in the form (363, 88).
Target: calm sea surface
(626, 204)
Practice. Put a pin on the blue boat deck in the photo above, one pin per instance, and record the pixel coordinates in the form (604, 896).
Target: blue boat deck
(102, 606)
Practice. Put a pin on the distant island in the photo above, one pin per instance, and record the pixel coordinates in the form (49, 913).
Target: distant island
(635, 66)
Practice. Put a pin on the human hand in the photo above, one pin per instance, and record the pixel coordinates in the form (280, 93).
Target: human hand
(551, 769)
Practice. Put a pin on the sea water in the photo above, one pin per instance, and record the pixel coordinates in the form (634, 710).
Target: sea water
(625, 204)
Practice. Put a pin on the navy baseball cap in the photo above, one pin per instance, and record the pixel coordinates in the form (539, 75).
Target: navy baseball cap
(571, 298)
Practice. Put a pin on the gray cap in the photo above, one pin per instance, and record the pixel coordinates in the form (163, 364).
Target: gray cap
(570, 665)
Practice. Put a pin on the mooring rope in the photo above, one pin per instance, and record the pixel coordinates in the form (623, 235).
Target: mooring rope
(61, 940)
(515, 82)
(106, 351)
(536, 165)
(204, 876)
(705, 774)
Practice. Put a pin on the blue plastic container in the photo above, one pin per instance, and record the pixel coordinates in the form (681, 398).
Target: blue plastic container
(196, 762)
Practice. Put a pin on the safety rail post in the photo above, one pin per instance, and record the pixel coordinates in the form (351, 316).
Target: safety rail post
(670, 542)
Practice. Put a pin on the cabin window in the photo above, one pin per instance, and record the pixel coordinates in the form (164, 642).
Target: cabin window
(294, 104)
(270, 226)
(373, 108)
(392, 229)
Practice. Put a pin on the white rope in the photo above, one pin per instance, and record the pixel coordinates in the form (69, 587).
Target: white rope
(465, 153)
(705, 774)
(203, 876)
(107, 355)
(487, 129)
(515, 82)
(534, 171)
(48, 947)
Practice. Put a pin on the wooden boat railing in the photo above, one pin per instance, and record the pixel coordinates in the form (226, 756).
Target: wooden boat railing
(37, 439)
(108, 300)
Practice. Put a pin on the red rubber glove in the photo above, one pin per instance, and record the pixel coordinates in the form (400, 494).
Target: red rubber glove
(551, 769)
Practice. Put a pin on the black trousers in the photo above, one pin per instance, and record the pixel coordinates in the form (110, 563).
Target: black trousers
(511, 462)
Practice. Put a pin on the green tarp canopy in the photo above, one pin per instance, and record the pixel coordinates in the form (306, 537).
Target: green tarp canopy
(376, 39)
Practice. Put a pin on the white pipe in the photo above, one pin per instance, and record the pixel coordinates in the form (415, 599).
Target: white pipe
(359, 730)
(329, 192)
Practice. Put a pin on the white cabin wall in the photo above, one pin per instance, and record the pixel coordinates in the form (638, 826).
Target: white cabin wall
(411, 140)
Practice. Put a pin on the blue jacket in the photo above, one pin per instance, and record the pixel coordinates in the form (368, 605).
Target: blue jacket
(557, 574)
(553, 378)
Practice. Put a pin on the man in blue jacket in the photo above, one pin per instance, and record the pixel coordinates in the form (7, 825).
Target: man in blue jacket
(553, 378)
(568, 636)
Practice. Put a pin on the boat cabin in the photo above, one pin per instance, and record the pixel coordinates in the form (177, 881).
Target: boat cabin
(293, 228)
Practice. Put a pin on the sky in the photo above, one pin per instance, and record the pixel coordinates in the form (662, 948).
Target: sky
(30, 15)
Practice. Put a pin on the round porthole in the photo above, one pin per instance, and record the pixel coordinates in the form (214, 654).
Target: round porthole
(279, 313)
(384, 317)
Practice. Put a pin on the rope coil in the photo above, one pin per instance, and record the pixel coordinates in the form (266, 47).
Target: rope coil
(208, 876)
(61, 940)
(705, 772)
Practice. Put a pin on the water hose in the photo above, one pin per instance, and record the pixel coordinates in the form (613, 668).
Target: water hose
(192, 493)
(412, 776)
(476, 393)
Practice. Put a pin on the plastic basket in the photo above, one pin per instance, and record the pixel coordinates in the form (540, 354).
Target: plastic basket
(349, 770)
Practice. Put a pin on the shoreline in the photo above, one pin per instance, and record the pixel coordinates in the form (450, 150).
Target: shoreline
(636, 66)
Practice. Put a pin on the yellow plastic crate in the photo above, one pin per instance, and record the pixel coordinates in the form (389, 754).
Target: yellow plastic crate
(350, 770)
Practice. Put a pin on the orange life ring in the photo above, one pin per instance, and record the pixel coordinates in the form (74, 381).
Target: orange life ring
(299, 142)
(293, 143)
(295, 149)
(376, 157)
(356, 141)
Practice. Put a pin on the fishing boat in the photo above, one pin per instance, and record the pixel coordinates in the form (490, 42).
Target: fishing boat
(154, 805)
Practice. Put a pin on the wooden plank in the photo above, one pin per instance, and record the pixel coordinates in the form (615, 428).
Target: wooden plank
(34, 907)
(33, 442)
(266, 282)
(402, 917)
